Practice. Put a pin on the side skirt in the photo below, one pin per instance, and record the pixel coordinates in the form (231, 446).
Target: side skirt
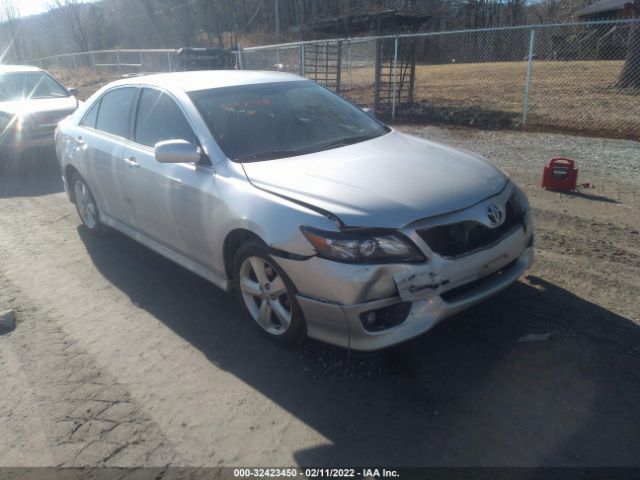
(191, 265)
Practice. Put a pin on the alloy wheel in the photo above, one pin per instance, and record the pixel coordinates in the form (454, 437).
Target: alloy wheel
(265, 295)
(85, 204)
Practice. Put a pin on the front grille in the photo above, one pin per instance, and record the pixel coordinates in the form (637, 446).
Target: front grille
(462, 238)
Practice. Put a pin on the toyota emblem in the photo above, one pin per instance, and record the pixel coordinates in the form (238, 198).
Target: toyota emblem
(495, 214)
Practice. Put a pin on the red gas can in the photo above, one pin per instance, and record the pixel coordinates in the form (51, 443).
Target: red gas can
(560, 175)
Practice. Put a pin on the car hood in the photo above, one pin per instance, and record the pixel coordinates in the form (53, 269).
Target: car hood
(389, 181)
(37, 105)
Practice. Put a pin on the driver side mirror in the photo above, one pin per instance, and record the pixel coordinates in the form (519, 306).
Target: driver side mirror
(73, 92)
(177, 151)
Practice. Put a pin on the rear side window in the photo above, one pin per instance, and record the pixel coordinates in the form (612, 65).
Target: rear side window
(115, 107)
(159, 118)
(90, 118)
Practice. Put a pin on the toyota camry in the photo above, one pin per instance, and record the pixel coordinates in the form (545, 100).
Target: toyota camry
(325, 222)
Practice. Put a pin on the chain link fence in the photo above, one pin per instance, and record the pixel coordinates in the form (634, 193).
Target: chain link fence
(561, 76)
(90, 69)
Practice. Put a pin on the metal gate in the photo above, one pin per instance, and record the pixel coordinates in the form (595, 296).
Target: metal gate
(322, 63)
(395, 72)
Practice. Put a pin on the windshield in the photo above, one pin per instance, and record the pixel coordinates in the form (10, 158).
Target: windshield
(21, 85)
(275, 120)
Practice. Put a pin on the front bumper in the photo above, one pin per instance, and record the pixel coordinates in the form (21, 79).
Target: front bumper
(334, 295)
(17, 142)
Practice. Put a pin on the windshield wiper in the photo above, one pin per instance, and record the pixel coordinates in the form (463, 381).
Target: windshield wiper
(270, 155)
(342, 142)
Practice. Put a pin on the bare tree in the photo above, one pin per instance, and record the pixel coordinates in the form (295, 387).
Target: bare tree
(10, 20)
(71, 11)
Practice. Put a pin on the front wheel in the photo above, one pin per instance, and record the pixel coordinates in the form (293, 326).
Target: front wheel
(86, 206)
(268, 295)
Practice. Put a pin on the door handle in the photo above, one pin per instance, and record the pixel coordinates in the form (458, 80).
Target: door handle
(132, 162)
(79, 141)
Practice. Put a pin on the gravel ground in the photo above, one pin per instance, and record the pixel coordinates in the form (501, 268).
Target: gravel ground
(122, 358)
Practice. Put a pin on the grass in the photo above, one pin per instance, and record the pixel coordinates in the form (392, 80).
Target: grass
(577, 96)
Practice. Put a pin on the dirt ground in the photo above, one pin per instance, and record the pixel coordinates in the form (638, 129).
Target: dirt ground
(122, 358)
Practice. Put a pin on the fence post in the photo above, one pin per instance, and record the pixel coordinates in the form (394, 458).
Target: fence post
(93, 63)
(395, 76)
(141, 66)
(75, 64)
(302, 66)
(118, 62)
(339, 66)
(240, 58)
(169, 61)
(349, 66)
(527, 88)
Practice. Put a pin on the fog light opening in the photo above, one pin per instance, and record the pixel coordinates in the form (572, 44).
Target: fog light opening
(386, 317)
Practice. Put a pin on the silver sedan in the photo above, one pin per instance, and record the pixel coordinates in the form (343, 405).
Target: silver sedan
(325, 222)
(32, 103)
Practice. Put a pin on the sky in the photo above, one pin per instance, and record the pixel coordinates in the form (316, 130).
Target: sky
(31, 7)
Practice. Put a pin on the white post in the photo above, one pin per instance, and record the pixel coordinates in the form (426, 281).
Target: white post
(302, 66)
(350, 66)
(240, 58)
(527, 88)
(169, 61)
(141, 69)
(395, 76)
(75, 65)
(118, 61)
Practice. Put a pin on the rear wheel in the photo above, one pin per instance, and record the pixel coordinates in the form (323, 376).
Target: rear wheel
(268, 295)
(86, 206)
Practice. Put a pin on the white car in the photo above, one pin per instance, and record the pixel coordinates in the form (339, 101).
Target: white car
(32, 103)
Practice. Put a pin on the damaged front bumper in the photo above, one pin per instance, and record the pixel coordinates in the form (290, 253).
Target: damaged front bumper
(336, 296)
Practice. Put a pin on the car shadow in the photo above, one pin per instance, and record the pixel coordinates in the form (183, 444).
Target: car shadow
(473, 391)
(31, 173)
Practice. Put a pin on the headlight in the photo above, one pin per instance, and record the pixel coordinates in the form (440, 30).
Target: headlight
(363, 246)
(524, 203)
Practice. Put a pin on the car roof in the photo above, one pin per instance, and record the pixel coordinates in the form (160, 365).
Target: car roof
(18, 68)
(206, 79)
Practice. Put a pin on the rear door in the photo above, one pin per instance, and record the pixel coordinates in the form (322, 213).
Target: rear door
(100, 141)
(171, 203)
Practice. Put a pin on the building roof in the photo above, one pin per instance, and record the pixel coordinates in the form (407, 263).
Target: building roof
(601, 6)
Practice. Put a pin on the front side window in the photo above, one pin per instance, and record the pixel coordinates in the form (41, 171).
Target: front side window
(159, 118)
(29, 85)
(114, 112)
(275, 120)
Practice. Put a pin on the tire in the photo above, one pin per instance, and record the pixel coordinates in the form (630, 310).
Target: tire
(86, 206)
(267, 295)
